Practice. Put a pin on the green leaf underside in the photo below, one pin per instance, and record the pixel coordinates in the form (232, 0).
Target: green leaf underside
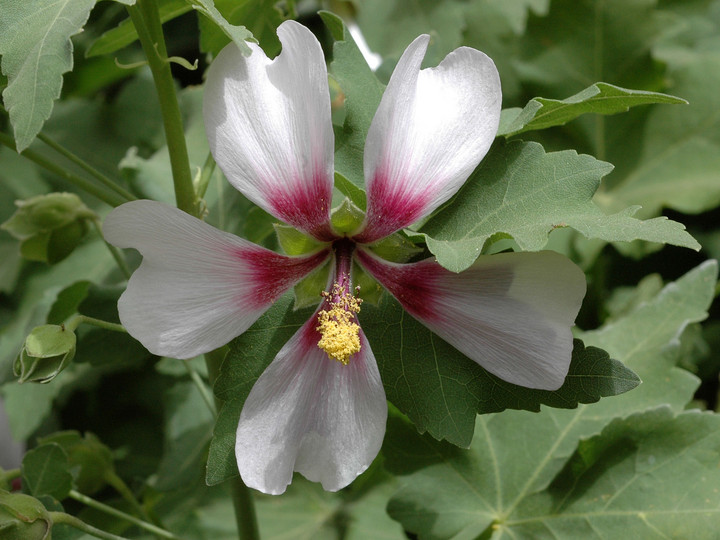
(517, 455)
(441, 390)
(362, 92)
(45, 472)
(36, 50)
(522, 191)
(600, 98)
(124, 34)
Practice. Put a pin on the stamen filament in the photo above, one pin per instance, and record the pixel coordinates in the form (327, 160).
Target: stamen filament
(337, 323)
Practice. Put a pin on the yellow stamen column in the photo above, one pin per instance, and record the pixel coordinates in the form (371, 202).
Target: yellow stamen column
(337, 321)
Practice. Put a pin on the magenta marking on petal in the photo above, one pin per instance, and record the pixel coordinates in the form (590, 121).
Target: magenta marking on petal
(273, 274)
(414, 285)
(391, 207)
(305, 205)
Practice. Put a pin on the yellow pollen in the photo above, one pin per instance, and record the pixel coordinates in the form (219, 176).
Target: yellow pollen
(340, 334)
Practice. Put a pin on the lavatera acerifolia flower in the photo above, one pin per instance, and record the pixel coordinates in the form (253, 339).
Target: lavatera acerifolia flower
(319, 408)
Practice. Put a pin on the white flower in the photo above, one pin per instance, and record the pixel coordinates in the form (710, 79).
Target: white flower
(320, 408)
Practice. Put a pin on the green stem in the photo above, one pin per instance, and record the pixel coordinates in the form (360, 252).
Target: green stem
(201, 386)
(97, 505)
(67, 519)
(146, 19)
(100, 177)
(242, 496)
(110, 198)
(115, 252)
(77, 320)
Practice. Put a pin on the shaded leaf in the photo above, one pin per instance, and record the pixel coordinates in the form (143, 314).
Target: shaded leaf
(306, 512)
(261, 18)
(238, 34)
(390, 25)
(124, 34)
(362, 92)
(45, 472)
(678, 163)
(441, 390)
(607, 41)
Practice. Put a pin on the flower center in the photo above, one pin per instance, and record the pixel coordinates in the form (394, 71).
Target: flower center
(340, 333)
(337, 321)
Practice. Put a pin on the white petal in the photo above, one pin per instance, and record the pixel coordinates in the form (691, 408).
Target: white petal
(197, 287)
(268, 125)
(311, 414)
(430, 131)
(511, 313)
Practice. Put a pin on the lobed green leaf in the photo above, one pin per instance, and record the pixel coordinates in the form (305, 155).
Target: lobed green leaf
(503, 482)
(521, 191)
(600, 98)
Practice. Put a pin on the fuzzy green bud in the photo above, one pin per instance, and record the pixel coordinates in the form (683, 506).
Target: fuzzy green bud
(49, 226)
(47, 351)
(23, 518)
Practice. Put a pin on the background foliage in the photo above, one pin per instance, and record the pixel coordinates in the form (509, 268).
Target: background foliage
(608, 151)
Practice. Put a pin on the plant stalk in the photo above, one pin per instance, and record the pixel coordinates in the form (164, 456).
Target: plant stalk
(115, 252)
(97, 505)
(67, 519)
(145, 17)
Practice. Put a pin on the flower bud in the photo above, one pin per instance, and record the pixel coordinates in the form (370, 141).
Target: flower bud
(23, 518)
(47, 351)
(49, 226)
